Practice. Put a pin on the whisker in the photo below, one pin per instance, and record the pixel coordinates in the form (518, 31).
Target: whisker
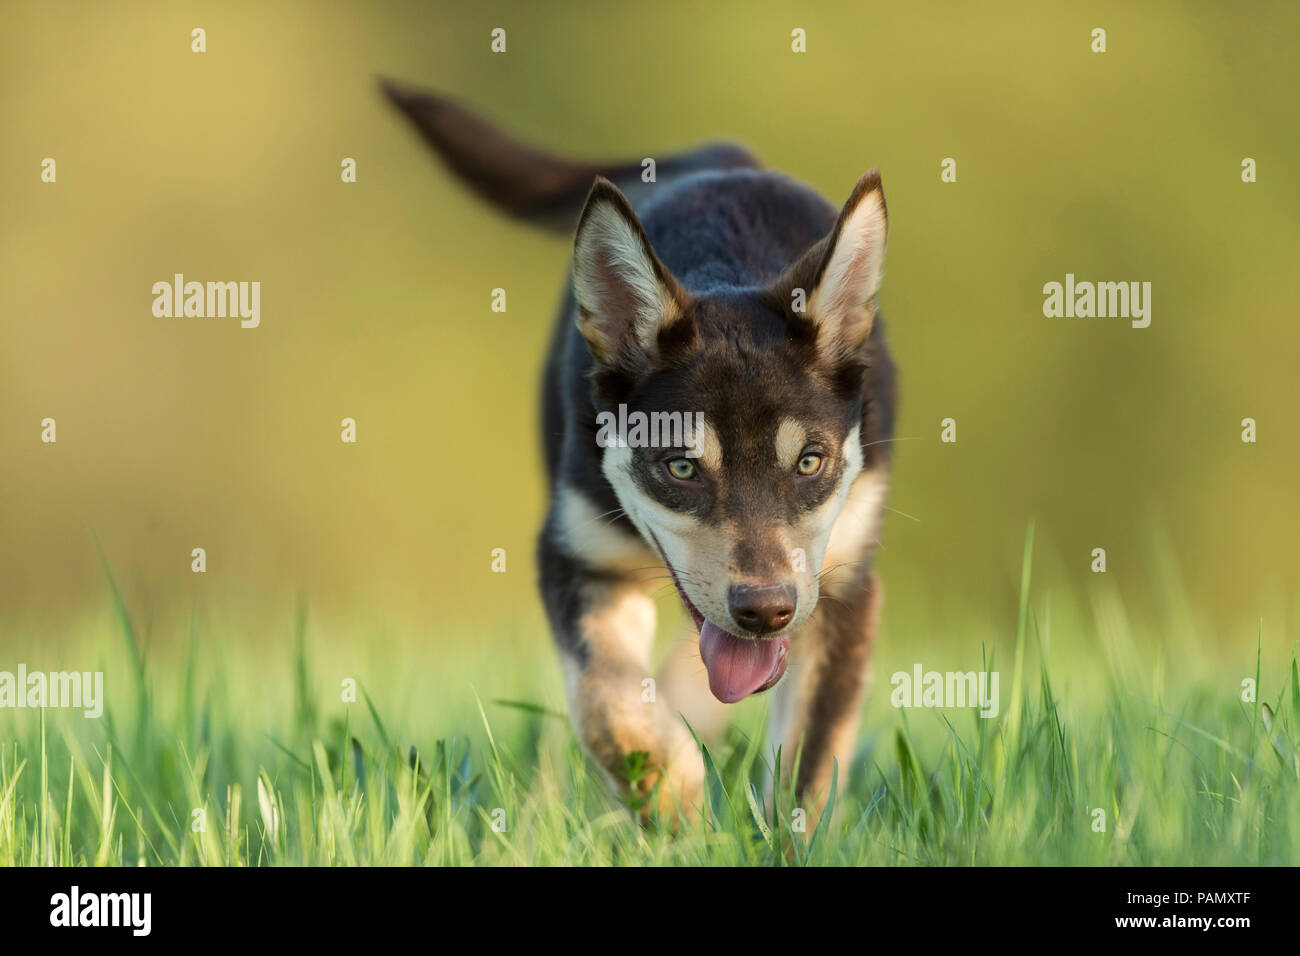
(881, 441)
(615, 512)
(831, 597)
(825, 572)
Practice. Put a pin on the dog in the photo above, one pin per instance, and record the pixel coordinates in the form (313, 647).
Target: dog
(706, 290)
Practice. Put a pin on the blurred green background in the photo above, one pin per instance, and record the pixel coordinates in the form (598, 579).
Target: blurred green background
(183, 433)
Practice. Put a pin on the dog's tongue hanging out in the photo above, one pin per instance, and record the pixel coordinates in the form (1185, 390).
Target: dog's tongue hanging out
(738, 667)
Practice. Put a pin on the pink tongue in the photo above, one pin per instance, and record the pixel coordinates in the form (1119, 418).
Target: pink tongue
(739, 667)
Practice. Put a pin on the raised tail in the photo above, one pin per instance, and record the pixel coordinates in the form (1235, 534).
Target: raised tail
(526, 183)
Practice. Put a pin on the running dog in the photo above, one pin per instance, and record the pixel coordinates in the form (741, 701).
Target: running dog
(708, 291)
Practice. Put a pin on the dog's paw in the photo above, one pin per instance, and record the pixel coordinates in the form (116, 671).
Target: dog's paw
(666, 783)
(646, 752)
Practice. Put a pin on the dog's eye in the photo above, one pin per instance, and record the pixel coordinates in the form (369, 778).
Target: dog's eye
(683, 469)
(810, 464)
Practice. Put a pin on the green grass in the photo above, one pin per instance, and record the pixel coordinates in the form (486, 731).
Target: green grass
(420, 770)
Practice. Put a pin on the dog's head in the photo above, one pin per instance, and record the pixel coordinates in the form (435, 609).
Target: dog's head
(759, 391)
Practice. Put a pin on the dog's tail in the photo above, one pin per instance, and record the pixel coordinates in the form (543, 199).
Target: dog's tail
(529, 184)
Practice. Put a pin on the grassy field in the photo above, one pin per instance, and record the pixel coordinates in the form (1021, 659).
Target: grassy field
(461, 757)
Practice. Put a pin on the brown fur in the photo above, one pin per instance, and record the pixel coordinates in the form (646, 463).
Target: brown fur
(833, 652)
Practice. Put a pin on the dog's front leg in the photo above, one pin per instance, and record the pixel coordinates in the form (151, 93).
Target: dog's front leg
(817, 707)
(604, 626)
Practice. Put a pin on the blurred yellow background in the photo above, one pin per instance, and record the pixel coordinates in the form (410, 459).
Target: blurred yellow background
(375, 303)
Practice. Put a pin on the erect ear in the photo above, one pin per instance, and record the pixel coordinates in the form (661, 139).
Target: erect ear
(840, 275)
(631, 310)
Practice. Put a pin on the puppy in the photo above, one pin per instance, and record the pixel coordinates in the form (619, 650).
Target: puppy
(717, 404)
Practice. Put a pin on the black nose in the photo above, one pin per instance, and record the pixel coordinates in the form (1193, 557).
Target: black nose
(762, 608)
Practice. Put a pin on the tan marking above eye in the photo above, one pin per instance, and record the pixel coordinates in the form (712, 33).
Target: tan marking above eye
(791, 439)
(707, 445)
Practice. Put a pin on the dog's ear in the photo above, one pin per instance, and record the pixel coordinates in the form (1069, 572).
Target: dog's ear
(837, 279)
(631, 310)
